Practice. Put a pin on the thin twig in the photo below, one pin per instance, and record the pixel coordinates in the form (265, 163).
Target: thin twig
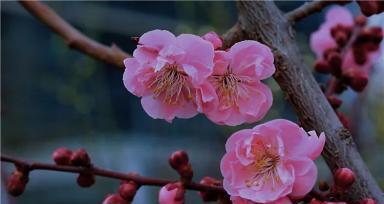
(75, 39)
(309, 8)
(106, 173)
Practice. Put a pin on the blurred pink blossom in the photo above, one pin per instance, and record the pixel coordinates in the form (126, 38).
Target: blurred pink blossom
(213, 38)
(321, 40)
(165, 70)
(234, 94)
(271, 161)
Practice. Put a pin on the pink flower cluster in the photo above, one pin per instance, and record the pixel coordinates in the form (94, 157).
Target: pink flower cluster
(346, 48)
(181, 76)
(270, 162)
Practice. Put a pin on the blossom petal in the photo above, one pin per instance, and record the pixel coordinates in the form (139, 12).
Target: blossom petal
(157, 109)
(305, 176)
(236, 137)
(198, 57)
(252, 53)
(258, 103)
(296, 140)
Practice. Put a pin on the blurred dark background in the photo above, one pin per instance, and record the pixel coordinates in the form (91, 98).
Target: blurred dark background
(53, 96)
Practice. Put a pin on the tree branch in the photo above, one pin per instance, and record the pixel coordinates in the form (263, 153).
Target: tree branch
(140, 180)
(264, 22)
(75, 39)
(309, 8)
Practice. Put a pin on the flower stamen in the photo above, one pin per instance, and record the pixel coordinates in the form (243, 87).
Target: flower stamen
(169, 83)
(230, 87)
(264, 166)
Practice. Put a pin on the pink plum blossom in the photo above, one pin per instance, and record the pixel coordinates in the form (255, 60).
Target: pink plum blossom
(234, 94)
(270, 162)
(165, 70)
(213, 38)
(168, 196)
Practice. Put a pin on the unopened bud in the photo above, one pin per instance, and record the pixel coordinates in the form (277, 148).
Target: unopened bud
(368, 201)
(323, 186)
(377, 34)
(178, 159)
(344, 178)
(114, 199)
(208, 196)
(343, 119)
(86, 180)
(361, 20)
(17, 182)
(340, 87)
(334, 59)
(357, 79)
(369, 8)
(62, 156)
(315, 201)
(334, 101)
(80, 158)
(322, 66)
(127, 190)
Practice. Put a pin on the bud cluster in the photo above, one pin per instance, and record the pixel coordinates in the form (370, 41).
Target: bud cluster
(371, 7)
(79, 158)
(180, 162)
(347, 53)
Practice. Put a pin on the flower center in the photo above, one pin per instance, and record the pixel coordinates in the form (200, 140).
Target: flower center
(264, 165)
(230, 88)
(171, 83)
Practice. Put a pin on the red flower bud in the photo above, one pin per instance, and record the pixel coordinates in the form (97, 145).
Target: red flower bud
(361, 20)
(178, 159)
(114, 199)
(356, 79)
(208, 196)
(80, 158)
(359, 53)
(368, 201)
(343, 119)
(376, 34)
(62, 156)
(314, 201)
(322, 66)
(334, 101)
(127, 190)
(86, 180)
(340, 87)
(17, 182)
(369, 8)
(334, 60)
(344, 178)
(323, 186)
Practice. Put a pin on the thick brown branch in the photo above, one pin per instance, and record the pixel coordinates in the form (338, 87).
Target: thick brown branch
(263, 21)
(106, 173)
(309, 8)
(75, 39)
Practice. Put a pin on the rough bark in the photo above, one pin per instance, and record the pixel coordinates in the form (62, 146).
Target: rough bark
(264, 22)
